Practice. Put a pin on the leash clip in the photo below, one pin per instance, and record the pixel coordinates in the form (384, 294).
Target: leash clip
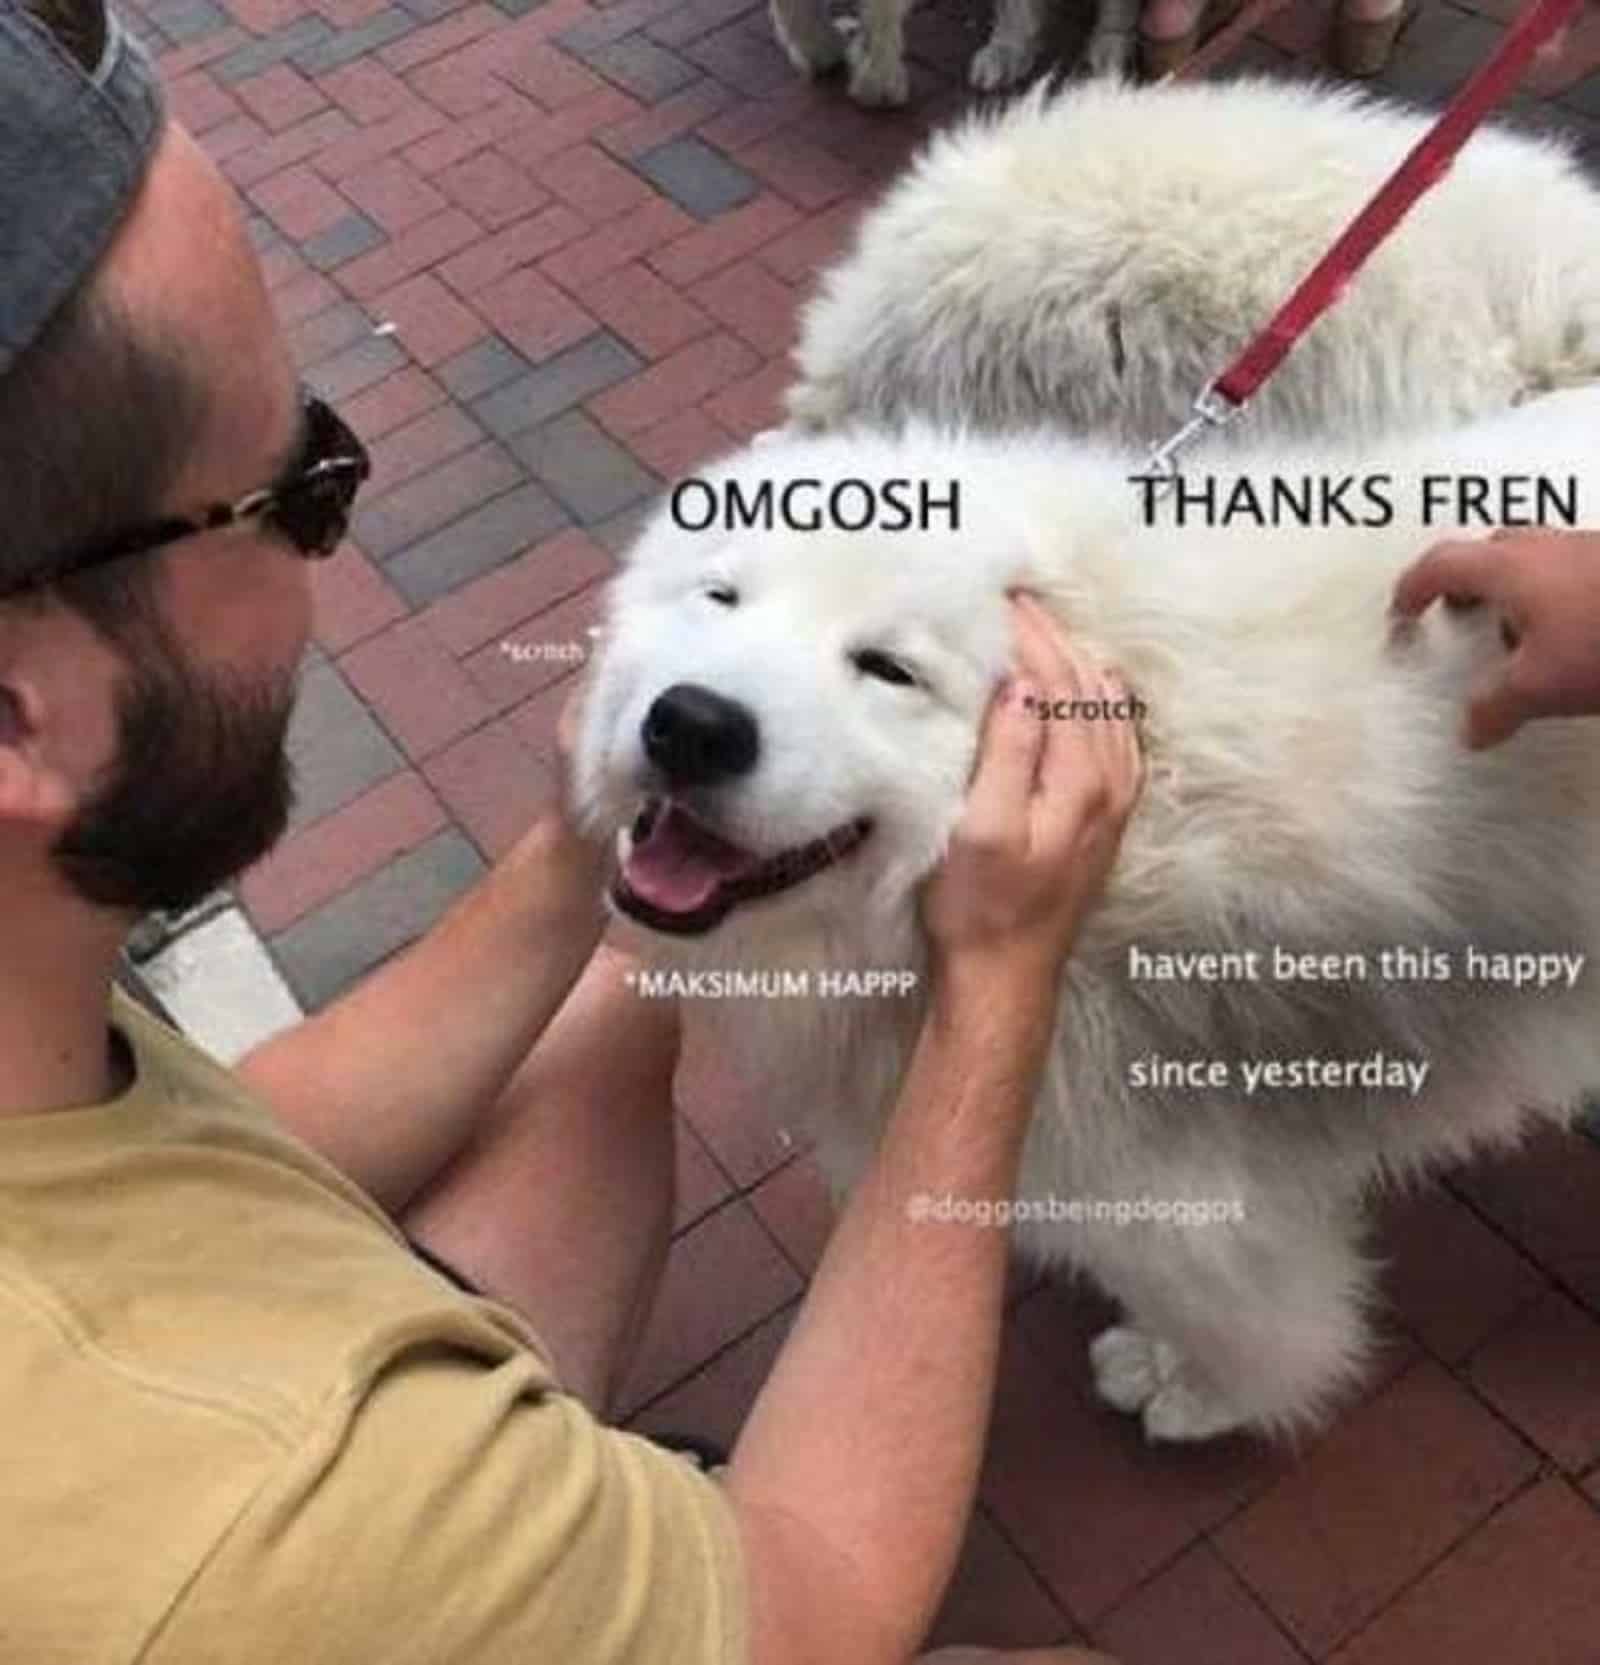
(1212, 409)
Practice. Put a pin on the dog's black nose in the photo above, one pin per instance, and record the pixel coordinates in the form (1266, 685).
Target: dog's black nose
(696, 737)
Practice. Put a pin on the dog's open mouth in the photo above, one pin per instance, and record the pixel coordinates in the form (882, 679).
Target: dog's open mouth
(680, 876)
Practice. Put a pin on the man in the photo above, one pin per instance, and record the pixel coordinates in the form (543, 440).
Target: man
(242, 1420)
(1546, 587)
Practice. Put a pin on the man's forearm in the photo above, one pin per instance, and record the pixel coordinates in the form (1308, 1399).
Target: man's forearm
(866, 1442)
(387, 1081)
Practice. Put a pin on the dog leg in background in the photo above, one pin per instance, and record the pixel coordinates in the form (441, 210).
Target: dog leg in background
(1113, 46)
(1231, 1327)
(1013, 44)
(807, 35)
(876, 50)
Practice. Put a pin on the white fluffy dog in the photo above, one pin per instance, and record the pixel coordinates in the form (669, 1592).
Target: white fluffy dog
(1089, 259)
(787, 719)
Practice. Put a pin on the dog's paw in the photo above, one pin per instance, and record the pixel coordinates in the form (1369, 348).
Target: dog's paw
(1181, 1411)
(999, 64)
(1130, 1367)
(1112, 52)
(877, 80)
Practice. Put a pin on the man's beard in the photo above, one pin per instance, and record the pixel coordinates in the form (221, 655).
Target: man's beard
(200, 788)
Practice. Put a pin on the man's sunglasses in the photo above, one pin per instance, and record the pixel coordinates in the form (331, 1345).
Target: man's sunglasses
(309, 504)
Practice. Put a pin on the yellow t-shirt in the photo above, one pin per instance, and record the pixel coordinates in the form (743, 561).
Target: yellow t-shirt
(241, 1423)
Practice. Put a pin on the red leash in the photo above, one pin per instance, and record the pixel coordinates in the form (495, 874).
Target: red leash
(1222, 399)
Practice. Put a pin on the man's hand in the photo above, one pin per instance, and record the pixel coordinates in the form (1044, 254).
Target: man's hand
(1546, 587)
(1044, 815)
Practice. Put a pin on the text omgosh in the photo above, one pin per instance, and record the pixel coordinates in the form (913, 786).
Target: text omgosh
(806, 505)
(1356, 499)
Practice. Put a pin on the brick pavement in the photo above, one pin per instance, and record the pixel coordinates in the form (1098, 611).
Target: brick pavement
(547, 255)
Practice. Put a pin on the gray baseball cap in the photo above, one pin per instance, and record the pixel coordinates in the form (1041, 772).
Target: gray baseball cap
(74, 146)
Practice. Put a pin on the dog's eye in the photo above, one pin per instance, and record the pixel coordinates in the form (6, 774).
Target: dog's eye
(725, 595)
(870, 662)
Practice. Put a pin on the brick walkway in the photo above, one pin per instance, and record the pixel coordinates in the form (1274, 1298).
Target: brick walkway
(583, 230)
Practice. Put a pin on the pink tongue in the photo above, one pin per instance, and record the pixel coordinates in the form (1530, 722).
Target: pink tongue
(680, 865)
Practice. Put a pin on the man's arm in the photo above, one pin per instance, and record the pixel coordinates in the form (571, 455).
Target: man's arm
(854, 1478)
(386, 1082)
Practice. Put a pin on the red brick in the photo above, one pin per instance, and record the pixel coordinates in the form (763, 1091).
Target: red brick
(1198, 1612)
(715, 1402)
(199, 103)
(799, 254)
(723, 241)
(672, 386)
(1386, 1493)
(724, 1109)
(651, 316)
(368, 91)
(494, 191)
(301, 296)
(389, 404)
(548, 76)
(805, 173)
(754, 304)
(263, 17)
(441, 37)
(299, 143)
(795, 1206)
(534, 721)
(494, 605)
(994, 1599)
(754, 404)
(440, 433)
(299, 203)
(1543, 1374)
(421, 695)
(464, 83)
(488, 261)
(588, 180)
(532, 314)
(432, 324)
(366, 145)
(1521, 1588)
(314, 865)
(670, 119)
(681, 444)
(752, 120)
(700, 1185)
(351, 600)
(467, 136)
(581, 262)
(723, 1277)
(346, 14)
(1547, 1198)
(179, 60)
(492, 786)
(1452, 1279)
(411, 252)
(1051, 1450)
(504, 681)
(279, 97)
(233, 138)
(533, 142)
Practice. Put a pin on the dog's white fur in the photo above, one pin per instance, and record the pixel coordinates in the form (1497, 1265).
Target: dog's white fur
(1089, 260)
(1306, 787)
(874, 48)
